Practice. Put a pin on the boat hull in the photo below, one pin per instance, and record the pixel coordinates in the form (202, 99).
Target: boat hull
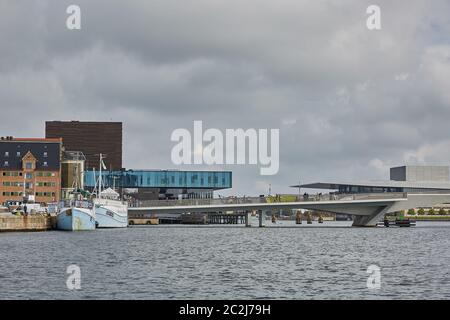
(111, 215)
(75, 219)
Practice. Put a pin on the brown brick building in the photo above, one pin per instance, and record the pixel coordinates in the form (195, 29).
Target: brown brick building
(30, 167)
(91, 138)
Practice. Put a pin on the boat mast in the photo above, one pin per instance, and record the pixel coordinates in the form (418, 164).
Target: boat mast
(95, 182)
(75, 173)
(100, 177)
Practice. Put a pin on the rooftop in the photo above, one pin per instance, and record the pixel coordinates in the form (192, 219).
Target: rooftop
(402, 178)
(45, 140)
(334, 185)
(74, 156)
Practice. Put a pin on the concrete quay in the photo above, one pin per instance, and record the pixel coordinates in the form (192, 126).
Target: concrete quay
(12, 223)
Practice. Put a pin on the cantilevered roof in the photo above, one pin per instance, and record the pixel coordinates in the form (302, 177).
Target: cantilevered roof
(334, 185)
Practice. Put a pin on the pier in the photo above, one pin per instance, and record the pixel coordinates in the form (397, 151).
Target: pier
(233, 218)
(188, 218)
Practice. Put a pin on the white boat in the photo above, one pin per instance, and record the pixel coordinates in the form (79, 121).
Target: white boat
(76, 215)
(110, 211)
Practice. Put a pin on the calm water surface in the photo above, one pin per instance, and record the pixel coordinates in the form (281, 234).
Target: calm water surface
(232, 262)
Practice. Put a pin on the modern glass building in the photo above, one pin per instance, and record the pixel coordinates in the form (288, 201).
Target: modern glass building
(162, 184)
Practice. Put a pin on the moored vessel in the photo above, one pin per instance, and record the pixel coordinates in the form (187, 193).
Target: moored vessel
(110, 211)
(76, 215)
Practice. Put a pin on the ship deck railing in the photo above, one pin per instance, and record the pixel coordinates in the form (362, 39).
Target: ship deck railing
(86, 204)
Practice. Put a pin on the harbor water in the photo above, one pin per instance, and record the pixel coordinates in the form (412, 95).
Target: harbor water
(281, 261)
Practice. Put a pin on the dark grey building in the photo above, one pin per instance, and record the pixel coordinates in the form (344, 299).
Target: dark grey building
(420, 173)
(91, 138)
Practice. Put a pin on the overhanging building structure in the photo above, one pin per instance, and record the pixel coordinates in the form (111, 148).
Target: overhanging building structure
(162, 184)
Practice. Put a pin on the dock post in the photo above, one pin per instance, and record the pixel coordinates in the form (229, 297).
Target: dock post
(261, 218)
(298, 218)
(247, 219)
(309, 218)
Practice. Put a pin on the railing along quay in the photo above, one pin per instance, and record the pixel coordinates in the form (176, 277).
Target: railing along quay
(274, 199)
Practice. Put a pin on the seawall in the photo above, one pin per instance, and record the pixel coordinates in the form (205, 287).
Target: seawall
(26, 223)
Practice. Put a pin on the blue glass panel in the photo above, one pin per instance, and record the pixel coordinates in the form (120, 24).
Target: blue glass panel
(162, 179)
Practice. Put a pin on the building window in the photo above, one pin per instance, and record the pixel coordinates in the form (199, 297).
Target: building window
(18, 153)
(46, 184)
(6, 154)
(45, 164)
(29, 175)
(45, 154)
(28, 165)
(6, 164)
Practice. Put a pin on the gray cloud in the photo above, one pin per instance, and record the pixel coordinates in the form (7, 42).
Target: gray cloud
(349, 102)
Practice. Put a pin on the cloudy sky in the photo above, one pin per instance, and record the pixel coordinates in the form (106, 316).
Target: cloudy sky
(349, 102)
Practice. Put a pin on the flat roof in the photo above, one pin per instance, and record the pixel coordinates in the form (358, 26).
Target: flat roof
(334, 185)
(81, 122)
(420, 166)
(45, 140)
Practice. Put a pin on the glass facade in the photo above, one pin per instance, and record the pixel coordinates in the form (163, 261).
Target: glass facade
(367, 189)
(379, 189)
(162, 179)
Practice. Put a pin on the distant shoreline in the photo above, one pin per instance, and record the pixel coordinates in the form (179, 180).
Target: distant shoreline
(429, 218)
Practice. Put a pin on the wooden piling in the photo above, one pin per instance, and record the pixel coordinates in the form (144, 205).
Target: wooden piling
(298, 217)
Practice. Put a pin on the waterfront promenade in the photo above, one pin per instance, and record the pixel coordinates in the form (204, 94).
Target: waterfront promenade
(367, 209)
